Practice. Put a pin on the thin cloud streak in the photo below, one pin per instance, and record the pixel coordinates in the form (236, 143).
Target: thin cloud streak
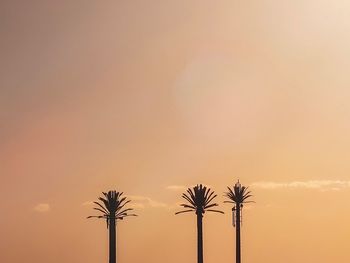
(176, 187)
(87, 203)
(42, 208)
(143, 201)
(311, 184)
(138, 201)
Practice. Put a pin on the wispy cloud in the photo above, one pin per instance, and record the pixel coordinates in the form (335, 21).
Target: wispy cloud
(138, 201)
(136, 205)
(311, 184)
(87, 203)
(42, 208)
(143, 201)
(176, 187)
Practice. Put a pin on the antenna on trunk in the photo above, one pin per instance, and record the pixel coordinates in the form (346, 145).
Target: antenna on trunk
(234, 216)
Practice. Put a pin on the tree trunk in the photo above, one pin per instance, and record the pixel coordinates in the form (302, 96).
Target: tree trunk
(200, 238)
(238, 234)
(112, 241)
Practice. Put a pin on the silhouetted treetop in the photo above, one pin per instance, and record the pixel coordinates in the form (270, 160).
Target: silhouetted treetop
(238, 194)
(112, 206)
(199, 200)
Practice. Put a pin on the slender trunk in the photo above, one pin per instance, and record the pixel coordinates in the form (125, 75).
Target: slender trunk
(200, 237)
(112, 241)
(238, 234)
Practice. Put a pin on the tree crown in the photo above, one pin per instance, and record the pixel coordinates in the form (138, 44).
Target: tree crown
(199, 200)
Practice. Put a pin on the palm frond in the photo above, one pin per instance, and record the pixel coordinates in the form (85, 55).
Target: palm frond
(112, 207)
(211, 205)
(99, 209)
(216, 211)
(199, 199)
(101, 206)
(185, 211)
(238, 194)
(188, 206)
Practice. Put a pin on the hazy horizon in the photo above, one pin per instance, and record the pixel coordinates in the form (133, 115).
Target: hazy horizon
(151, 97)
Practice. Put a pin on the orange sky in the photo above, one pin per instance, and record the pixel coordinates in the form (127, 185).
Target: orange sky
(149, 97)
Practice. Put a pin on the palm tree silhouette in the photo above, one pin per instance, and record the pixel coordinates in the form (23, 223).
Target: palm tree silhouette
(238, 196)
(199, 201)
(112, 209)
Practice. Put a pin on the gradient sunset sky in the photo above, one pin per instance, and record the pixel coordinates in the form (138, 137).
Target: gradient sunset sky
(150, 97)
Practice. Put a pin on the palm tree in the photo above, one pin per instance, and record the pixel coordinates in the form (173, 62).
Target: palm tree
(199, 201)
(238, 196)
(112, 209)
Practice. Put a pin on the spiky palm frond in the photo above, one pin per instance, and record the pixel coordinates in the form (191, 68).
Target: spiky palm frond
(238, 195)
(112, 205)
(199, 200)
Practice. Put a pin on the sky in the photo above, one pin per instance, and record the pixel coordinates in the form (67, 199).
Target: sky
(152, 97)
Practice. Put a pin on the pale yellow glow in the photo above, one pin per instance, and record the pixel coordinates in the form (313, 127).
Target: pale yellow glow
(149, 97)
